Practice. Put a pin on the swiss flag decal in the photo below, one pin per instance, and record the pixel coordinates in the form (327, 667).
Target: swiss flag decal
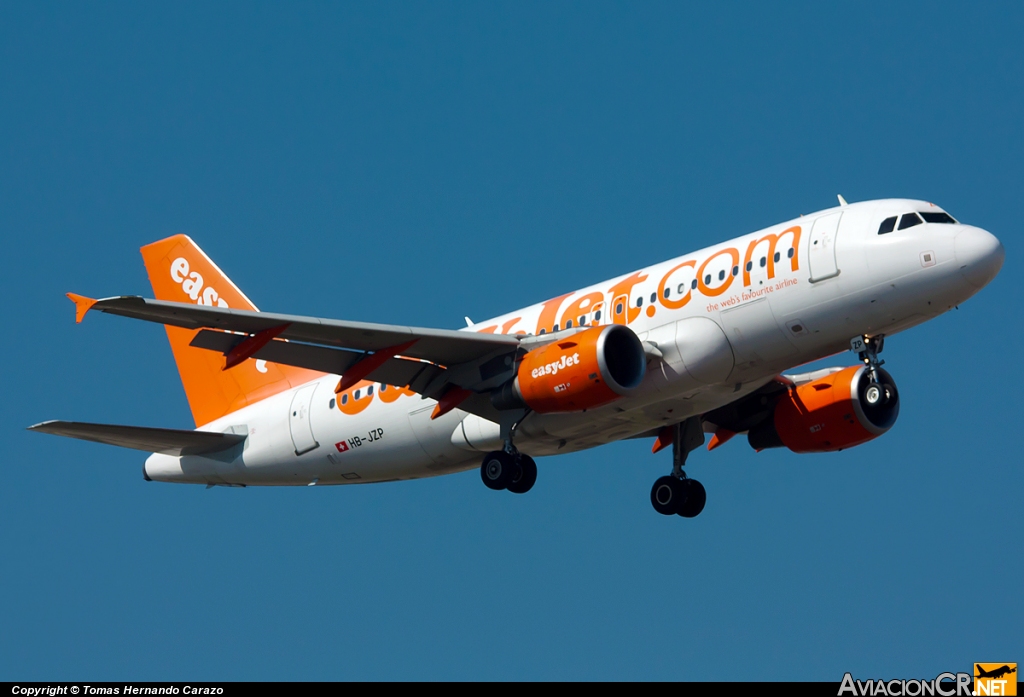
(342, 446)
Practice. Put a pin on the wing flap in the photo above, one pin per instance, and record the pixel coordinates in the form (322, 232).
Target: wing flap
(321, 358)
(399, 372)
(167, 441)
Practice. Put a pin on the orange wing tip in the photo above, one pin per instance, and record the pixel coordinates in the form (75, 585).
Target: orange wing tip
(82, 305)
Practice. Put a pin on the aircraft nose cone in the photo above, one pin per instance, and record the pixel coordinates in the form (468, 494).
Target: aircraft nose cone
(980, 255)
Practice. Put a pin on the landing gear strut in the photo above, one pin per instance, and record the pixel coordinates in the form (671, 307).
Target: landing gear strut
(677, 494)
(868, 348)
(509, 468)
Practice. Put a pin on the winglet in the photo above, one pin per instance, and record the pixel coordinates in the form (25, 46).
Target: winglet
(82, 305)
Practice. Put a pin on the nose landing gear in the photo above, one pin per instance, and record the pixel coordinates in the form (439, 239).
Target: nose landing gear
(677, 494)
(874, 394)
(868, 347)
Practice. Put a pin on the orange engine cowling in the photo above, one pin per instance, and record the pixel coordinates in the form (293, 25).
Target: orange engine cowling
(585, 370)
(837, 411)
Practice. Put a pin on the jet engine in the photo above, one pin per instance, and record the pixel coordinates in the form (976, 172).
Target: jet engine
(837, 411)
(582, 371)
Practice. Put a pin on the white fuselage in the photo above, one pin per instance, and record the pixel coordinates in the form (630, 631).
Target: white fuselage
(718, 323)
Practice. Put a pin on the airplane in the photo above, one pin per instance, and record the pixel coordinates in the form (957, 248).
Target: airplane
(696, 345)
(995, 673)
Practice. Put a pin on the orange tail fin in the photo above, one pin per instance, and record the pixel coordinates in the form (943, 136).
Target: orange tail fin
(180, 271)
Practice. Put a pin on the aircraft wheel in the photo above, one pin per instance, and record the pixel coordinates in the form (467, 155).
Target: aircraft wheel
(525, 475)
(693, 500)
(874, 394)
(666, 494)
(498, 469)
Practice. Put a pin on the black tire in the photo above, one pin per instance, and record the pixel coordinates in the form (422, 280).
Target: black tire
(497, 470)
(666, 495)
(525, 477)
(693, 500)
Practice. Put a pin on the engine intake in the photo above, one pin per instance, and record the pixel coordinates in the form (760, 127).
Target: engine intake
(583, 371)
(837, 411)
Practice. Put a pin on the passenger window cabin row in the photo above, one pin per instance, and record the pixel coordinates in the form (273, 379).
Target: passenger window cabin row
(681, 289)
(585, 319)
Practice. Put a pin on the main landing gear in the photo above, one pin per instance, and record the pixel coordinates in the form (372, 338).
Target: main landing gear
(512, 470)
(509, 468)
(676, 494)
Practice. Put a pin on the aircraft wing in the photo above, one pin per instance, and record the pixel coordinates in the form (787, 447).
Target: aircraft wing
(428, 361)
(444, 346)
(394, 371)
(168, 441)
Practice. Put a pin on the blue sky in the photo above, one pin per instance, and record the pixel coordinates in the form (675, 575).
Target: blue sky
(415, 163)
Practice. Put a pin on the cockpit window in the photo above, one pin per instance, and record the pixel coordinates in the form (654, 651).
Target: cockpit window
(939, 217)
(888, 225)
(910, 220)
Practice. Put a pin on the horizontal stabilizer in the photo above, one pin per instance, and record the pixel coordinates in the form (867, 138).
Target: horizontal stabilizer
(168, 441)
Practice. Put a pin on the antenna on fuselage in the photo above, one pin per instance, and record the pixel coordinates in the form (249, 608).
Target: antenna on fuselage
(842, 201)
(469, 322)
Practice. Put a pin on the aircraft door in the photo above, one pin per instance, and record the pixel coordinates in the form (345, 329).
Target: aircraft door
(821, 247)
(298, 419)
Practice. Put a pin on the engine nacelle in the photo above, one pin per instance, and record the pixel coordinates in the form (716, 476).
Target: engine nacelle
(583, 371)
(837, 411)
